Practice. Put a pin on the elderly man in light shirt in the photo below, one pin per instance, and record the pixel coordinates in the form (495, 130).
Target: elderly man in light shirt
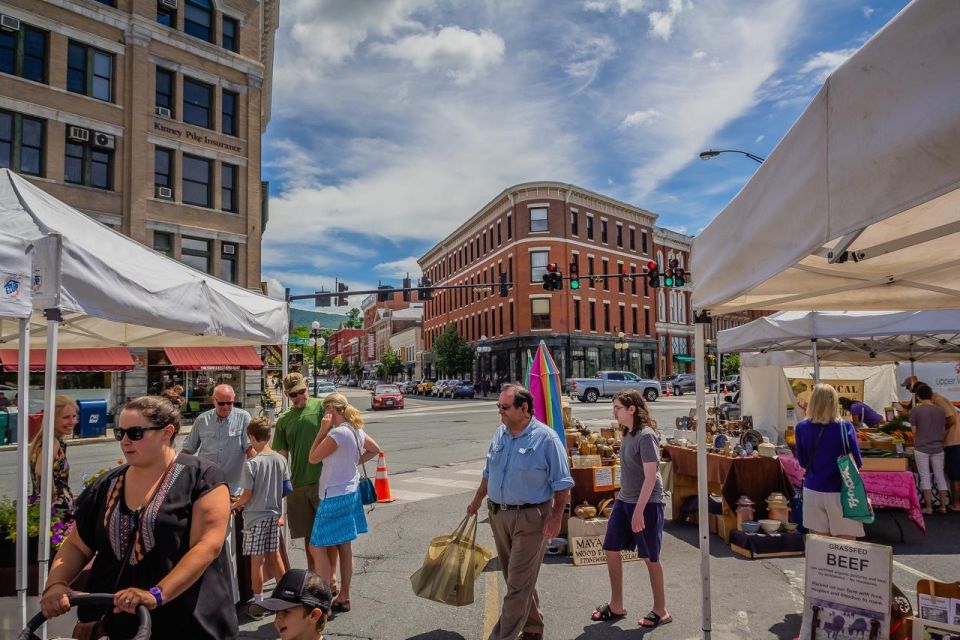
(220, 436)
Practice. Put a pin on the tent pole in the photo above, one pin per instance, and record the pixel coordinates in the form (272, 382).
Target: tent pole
(284, 354)
(49, 419)
(702, 491)
(23, 477)
(816, 363)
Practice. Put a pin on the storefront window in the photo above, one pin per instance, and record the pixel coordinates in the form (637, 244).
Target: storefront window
(577, 364)
(593, 362)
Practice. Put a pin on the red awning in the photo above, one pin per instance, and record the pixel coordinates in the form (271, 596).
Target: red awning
(213, 358)
(105, 359)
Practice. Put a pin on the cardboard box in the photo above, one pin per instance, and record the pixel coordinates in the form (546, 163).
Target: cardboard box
(580, 528)
(586, 541)
(884, 464)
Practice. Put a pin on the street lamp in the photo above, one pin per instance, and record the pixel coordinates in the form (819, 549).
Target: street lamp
(317, 341)
(621, 347)
(711, 154)
(482, 349)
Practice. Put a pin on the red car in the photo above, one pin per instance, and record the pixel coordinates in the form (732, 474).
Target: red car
(386, 396)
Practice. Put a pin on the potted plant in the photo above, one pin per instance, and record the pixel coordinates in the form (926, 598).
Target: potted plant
(60, 527)
(269, 404)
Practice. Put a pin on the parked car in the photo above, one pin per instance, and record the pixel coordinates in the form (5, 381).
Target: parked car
(386, 396)
(448, 388)
(324, 389)
(438, 387)
(463, 390)
(424, 387)
(684, 383)
(352, 382)
(369, 385)
(731, 382)
(729, 409)
(609, 383)
(409, 387)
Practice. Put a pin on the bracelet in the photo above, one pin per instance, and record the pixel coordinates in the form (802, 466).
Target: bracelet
(156, 593)
(53, 584)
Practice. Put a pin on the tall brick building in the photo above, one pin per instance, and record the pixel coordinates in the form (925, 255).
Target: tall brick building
(519, 233)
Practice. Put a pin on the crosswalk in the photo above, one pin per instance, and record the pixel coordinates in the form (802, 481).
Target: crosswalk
(436, 482)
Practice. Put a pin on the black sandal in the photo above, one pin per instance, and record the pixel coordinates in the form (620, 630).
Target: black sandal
(655, 620)
(340, 607)
(604, 613)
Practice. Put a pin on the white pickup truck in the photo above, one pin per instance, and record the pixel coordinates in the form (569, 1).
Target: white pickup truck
(609, 383)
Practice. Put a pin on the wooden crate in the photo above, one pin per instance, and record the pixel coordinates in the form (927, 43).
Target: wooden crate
(884, 464)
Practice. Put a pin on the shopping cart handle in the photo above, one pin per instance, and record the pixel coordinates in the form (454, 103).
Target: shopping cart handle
(92, 599)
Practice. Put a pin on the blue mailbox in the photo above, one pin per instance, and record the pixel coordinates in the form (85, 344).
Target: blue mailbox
(93, 418)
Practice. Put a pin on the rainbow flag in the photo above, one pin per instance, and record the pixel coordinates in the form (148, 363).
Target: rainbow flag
(544, 385)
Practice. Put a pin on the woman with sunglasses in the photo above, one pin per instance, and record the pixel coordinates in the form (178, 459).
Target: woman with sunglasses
(155, 528)
(341, 445)
(637, 519)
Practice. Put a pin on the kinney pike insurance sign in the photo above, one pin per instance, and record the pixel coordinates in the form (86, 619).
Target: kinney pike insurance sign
(847, 589)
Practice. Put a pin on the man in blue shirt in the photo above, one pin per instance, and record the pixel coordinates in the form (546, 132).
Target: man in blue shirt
(526, 470)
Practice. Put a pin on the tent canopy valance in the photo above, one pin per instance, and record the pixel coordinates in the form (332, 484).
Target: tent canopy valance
(213, 358)
(72, 360)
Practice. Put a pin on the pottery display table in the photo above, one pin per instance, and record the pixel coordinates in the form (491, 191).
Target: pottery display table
(754, 477)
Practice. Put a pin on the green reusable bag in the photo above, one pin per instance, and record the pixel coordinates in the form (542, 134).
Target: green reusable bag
(451, 566)
(853, 495)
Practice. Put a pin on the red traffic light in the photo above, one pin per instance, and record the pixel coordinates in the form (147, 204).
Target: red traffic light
(651, 266)
(552, 267)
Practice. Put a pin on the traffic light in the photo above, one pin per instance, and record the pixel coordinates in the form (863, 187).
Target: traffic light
(669, 275)
(425, 292)
(407, 294)
(504, 286)
(679, 278)
(574, 276)
(342, 299)
(322, 299)
(384, 293)
(552, 278)
(653, 275)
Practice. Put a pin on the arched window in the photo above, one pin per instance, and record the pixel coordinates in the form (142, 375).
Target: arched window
(198, 19)
(660, 306)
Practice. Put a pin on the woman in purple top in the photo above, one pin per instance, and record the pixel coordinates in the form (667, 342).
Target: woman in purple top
(821, 439)
(862, 414)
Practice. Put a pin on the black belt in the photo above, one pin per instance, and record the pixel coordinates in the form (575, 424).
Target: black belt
(496, 506)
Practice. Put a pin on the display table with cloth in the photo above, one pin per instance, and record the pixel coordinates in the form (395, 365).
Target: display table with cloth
(894, 490)
(754, 477)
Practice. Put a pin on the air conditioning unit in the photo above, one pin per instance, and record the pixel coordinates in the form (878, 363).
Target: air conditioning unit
(104, 140)
(229, 249)
(163, 112)
(169, 4)
(78, 134)
(9, 23)
(165, 192)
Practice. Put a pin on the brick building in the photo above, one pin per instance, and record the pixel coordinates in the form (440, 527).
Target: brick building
(674, 326)
(338, 344)
(519, 233)
(147, 116)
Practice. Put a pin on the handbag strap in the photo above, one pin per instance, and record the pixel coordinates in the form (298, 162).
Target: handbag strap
(813, 451)
(362, 465)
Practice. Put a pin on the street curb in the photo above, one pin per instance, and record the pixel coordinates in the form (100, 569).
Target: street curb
(79, 442)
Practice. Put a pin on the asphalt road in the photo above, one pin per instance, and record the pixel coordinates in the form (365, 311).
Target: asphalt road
(435, 452)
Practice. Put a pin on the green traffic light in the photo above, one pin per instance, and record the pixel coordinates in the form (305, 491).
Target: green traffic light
(574, 284)
(668, 282)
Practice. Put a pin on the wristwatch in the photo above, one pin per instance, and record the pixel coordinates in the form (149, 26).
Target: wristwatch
(156, 593)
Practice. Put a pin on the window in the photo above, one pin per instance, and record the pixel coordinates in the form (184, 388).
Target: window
(89, 71)
(195, 252)
(24, 53)
(198, 19)
(538, 265)
(197, 174)
(228, 262)
(540, 313)
(606, 281)
(511, 316)
(576, 315)
(589, 227)
(229, 34)
(228, 188)
(643, 242)
(633, 279)
(593, 316)
(538, 219)
(606, 317)
(502, 330)
(499, 242)
(633, 318)
(509, 226)
(619, 235)
(163, 243)
(166, 81)
(590, 272)
(633, 239)
(163, 167)
(620, 279)
(21, 143)
(623, 318)
(197, 103)
(228, 112)
(603, 231)
(484, 245)
(646, 321)
(87, 165)
(166, 16)
(574, 223)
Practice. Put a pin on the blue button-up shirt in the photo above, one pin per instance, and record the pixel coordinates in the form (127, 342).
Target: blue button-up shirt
(223, 442)
(528, 468)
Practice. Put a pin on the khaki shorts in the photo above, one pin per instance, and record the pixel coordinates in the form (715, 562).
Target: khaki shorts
(823, 513)
(302, 509)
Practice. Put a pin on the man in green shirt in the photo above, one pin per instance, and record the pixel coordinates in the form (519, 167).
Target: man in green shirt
(295, 432)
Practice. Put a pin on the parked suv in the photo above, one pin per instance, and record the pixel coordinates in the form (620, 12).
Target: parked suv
(684, 383)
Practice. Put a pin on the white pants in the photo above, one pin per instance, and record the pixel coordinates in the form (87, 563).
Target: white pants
(924, 462)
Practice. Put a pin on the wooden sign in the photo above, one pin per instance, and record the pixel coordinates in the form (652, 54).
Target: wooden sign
(589, 550)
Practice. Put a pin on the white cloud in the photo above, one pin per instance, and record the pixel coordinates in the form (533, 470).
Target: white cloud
(759, 139)
(460, 54)
(400, 268)
(699, 54)
(589, 53)
(824, 62)
(661, 22)
(679, 228)
(275, 289)
(622, 7)
(640, 118)
(867, 11)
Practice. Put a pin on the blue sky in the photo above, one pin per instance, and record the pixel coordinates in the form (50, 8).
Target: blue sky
(394, 121)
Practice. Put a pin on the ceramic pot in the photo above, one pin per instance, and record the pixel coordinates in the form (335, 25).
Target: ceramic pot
(585, 510)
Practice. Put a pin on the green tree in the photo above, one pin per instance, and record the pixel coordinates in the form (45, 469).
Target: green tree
(356, 368)
(340, 366)
(452, 354)
(731, 364)
(354, 320)
(378, 372)
(392, 366)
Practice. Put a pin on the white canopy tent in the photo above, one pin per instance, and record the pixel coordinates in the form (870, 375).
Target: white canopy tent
(107, 289)
(857, 208)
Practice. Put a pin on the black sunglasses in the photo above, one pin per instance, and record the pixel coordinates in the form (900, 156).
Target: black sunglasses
(133, 433)
(225, 403)
(294, 394)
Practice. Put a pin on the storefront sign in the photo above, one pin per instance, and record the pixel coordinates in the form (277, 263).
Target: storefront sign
(847, 588)
(193, 136)
(803, 388)
(589, 550)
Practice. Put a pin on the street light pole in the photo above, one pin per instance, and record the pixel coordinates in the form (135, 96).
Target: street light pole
(713, 153)
(621, 347)
(482, 349)
(318, 342)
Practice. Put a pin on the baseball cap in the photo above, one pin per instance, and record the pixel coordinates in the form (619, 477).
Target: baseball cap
(908, 381)
(293, 382)
(297, 589)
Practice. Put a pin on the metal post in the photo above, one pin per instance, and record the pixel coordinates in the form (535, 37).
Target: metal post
(816, 364)
(702, 491)
(49, 418)
(23, 417)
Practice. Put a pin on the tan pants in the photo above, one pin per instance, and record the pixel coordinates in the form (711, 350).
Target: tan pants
(518, 534)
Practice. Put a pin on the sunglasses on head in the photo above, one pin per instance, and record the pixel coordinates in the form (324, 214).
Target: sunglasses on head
(133, 433)
(225, 403)
(294, 394)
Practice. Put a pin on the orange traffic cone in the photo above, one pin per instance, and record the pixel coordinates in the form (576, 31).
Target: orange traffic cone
(668, 392)
(382, 482)
(725, 392)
